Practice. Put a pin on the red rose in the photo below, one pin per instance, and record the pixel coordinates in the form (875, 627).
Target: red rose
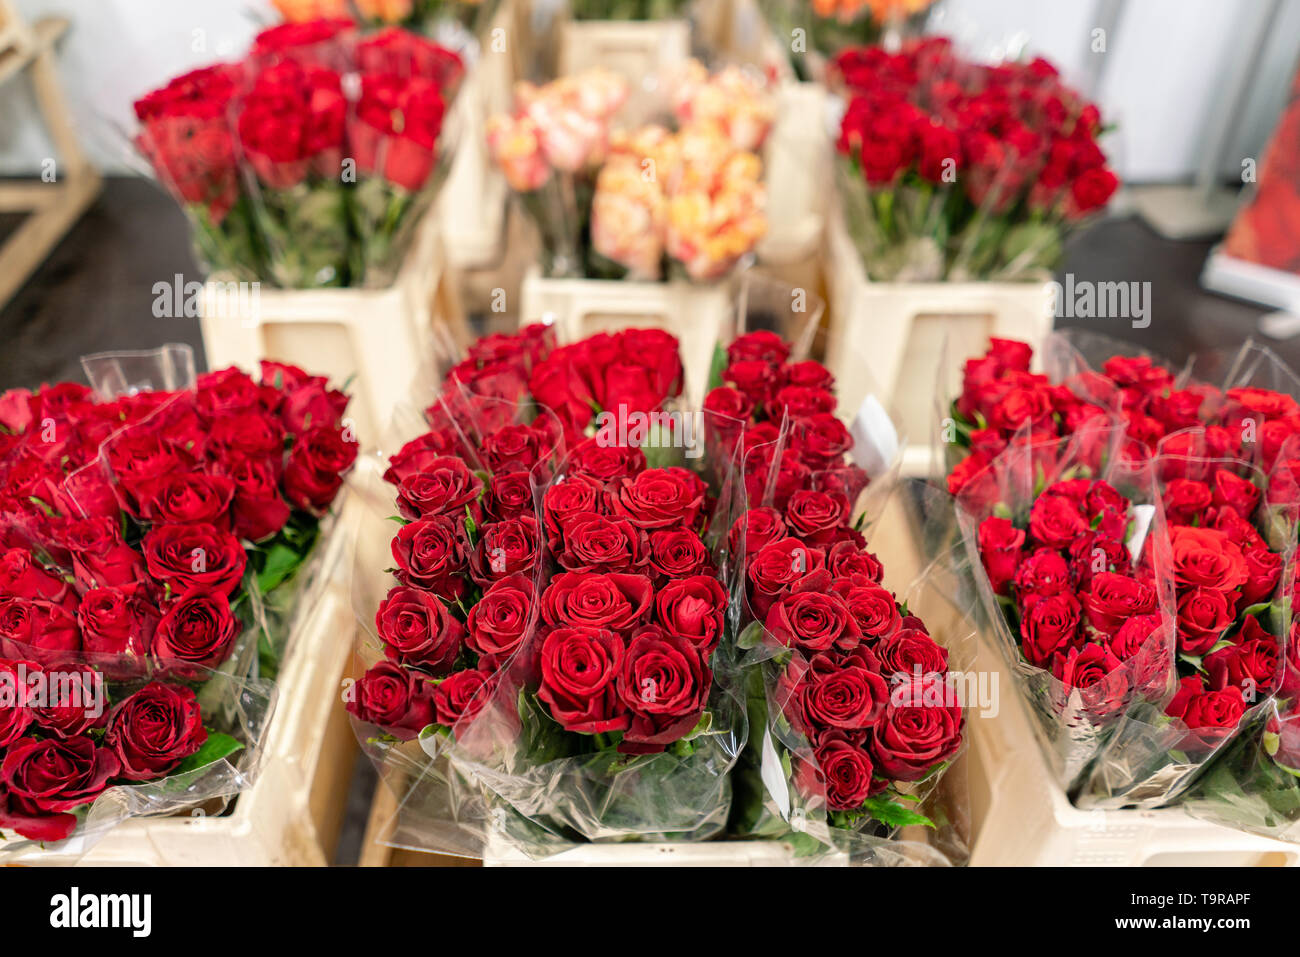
(820, 439)
(461, 695)
(196, 632)
(1204, 614)
(580, 667)
(840, 694)
(596, 543)
(727, 410)
(1264, 570)
(514, 447)
(100, 557)
(661, 498)
(505, 548)
(418, 453)
(1186, 500)
(73, 701)
(37, 629)
(1056, 521)
(1235, 492)
(816, 516)
(1048, 623)
(693, 608)
(761, 344)
(1113, 598)
(1132, 635)
(1213, 714)
(430, 555)
(1252, 663)
(194, 556)
(260, 510)
(807, 373)
(510, 495)
(155, 729)
(909, 651)
(396, 699)
(677, 553)
(752, 378)
(1044, 572)
(444, 486)
(1204, 556)
(15, 699)
(20, 577)
(417, 630)
(1000, 545)
(919, 729)
(617, 602)
(848, 559)
(314, 472)
(872, 607)
(843, 773)
(813, 621)
(501, 619)
(1089, 671)
(55, 776)
(664, 682)
(754, 529)
(186, 498)
(569, 496)
(775, 568)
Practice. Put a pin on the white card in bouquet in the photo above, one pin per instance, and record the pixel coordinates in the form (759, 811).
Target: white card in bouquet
(1142, 515)
(773, 776)
(875, 440)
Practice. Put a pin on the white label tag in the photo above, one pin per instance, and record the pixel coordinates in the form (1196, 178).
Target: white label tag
(1142, 515)
(875, 440)
(773, 776)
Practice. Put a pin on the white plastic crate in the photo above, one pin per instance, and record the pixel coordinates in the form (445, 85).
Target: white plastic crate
(1022, 818)
(376, 337)
(796, 169)
(293, 813)
(696, 313)
(637, 50)
(900, 331)
(704, 854)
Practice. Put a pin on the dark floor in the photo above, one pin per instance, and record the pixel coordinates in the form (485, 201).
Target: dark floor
(96, 293)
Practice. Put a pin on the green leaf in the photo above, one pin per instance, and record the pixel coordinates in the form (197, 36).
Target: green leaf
(282, 560)
(470, 525)
(703, 726)
(751, 637)
(218, 746)
(894, 814)
(717, 366)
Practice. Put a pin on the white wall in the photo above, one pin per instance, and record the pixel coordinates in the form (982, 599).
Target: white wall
(1163, 73)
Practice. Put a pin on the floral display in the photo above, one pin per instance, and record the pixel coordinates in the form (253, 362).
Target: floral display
(952, 169)
(288, 174)
(622, 202)
(151, 541)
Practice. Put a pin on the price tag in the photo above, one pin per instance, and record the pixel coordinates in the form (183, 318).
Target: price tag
(1142, 515)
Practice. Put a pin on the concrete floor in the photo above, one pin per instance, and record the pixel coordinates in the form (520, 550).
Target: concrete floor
(95, 293)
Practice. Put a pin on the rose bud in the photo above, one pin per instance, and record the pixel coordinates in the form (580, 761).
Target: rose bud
(596, 543)
(155, 729)
(187, 498)
(677, 553)
(196, 632)
(396, 699)
(616, 602)
(510, 495)
(579, 670)
(844, 774)
(845, 695)
(502, 618)
(812, 621)
(1252, 663)
(1209, 715)
(505, 548)
(1000, 545)
(660, 498)
(915, 734)
(53, 775)
(1204, 614)
(754, 529)
(1048, 623)
(417, 630)
(194, 556)
(73, 701)
(1089, 671)
(665, 683)
(430, 555)
(37, 629)
(444, 486)
(693, 608)
(259, 509)
(314, 472)
(461, 696)
(872, 607)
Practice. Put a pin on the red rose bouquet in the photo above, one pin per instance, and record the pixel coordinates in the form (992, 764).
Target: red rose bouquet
(551, 640)
(1072, 563)
(951, 169)
(847, 689)
(825, 27)
(154, 539)
(289, 174)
